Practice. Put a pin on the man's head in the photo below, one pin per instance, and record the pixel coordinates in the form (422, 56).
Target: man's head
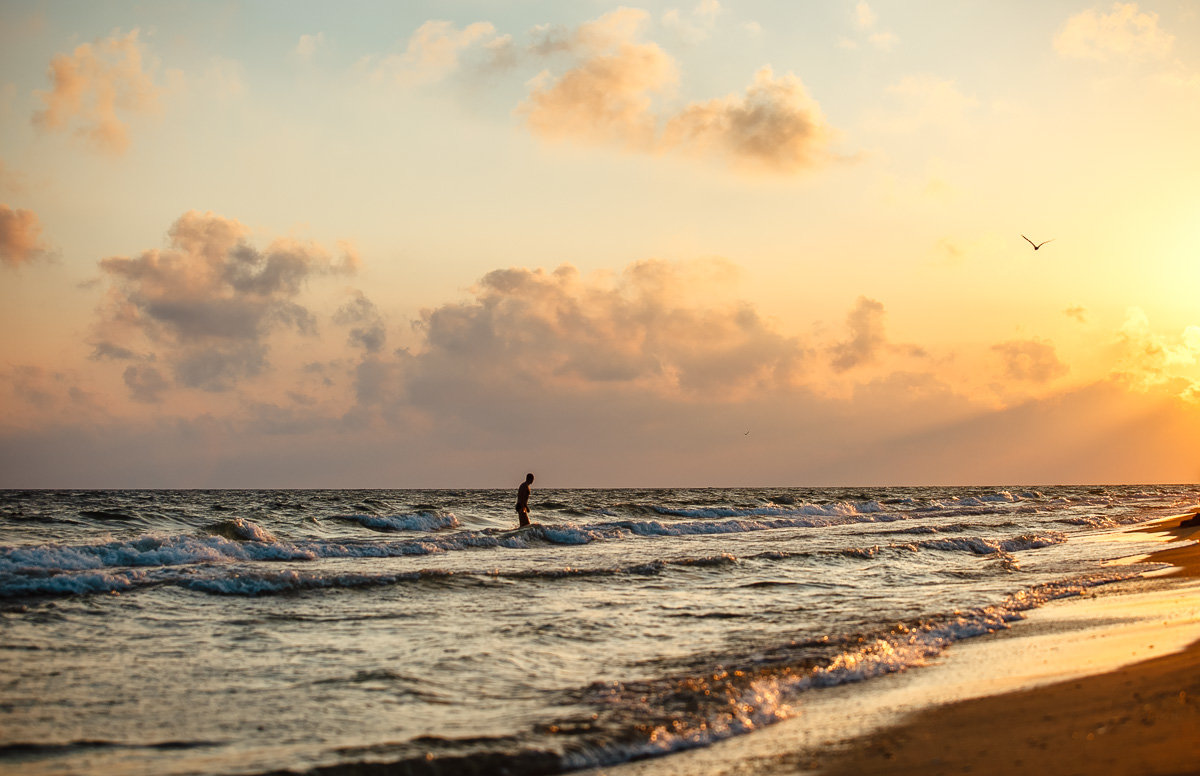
(529, 477)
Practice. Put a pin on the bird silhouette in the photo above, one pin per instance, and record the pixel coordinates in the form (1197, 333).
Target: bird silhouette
(1037, 245)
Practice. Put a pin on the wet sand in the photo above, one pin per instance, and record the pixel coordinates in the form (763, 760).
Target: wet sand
(1142, 718)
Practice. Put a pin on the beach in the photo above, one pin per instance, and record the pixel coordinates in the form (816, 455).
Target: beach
(1108, 682)
(1142, 718)
(627, 632)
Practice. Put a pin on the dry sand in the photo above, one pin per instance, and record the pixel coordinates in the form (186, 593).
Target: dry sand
(1140, 719)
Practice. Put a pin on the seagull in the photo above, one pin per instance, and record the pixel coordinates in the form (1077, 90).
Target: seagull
(1037, 245)
(746, 434)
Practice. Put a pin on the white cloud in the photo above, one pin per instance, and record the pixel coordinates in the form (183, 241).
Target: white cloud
(693, 26)
(864, 17)
(225, 78)
(884, 41)
(865, 20)
(435, 51)
(926, 101)
(308, 46)
(1123, 33)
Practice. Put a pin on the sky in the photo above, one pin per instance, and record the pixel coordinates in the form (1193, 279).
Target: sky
(713, 243)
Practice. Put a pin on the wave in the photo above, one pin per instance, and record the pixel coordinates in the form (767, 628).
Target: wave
(659, 716)
(53, 577)
(981, 546)
(723, 698)
(838, 509)
(420, 521)
(22, 748)
(243, 540)
(240, 529)
(1101, 521)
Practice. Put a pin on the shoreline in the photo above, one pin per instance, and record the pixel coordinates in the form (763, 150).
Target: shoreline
(1110, 664)
(1140, 718)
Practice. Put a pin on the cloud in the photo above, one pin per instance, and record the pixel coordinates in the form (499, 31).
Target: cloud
(694, 26)
(308, 46)
(94, 87)
(1098, 433)
(207, 303)
(635, 333)
(602, 84)
(1078, 312)
(927, 102)
(146, 384)
(1123, 33)
(865, 20)
(11, 182)
(367, 329)
(1031, 360)
(775, 127)
(884, 41)
(1146, 359)
(20, 237)
(867, 338)
(35, 395)
(224, 78)
(606, 97)
(647, 376)
(864, 17)
(435, 50)
(950, 250)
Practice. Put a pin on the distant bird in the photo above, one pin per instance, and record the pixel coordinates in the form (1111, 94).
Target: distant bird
(746, 434)
(1037, 245)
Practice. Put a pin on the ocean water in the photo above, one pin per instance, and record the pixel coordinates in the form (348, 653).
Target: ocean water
(245, 632)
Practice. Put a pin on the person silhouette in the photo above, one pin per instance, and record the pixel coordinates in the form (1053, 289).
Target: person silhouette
(523, 501)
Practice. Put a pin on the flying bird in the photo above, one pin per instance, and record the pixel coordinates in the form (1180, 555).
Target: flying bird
(1037, 245)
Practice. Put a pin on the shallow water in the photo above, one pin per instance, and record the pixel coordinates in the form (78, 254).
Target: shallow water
(246, 631)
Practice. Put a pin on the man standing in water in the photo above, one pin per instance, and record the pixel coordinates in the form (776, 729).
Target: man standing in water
(523, 500)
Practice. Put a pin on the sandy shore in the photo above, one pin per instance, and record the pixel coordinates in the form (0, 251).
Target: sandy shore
(1105, 683)
(1140, 719)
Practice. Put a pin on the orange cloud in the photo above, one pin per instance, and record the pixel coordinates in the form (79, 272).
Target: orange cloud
(867, 337)
(33, 396)
(1030, 360)
(560, 329)
(608, 96)
(1076, 311)
(94, 84)
(774, 127)
(652, 375)
(207, 304)
(1146, 359)
(20, 237)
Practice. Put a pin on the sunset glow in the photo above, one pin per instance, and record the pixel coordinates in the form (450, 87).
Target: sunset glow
(441, 244)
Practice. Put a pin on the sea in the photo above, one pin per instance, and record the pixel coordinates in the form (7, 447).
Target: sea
(415, 631)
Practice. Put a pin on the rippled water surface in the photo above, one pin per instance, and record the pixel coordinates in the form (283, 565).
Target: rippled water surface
(149, 632)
